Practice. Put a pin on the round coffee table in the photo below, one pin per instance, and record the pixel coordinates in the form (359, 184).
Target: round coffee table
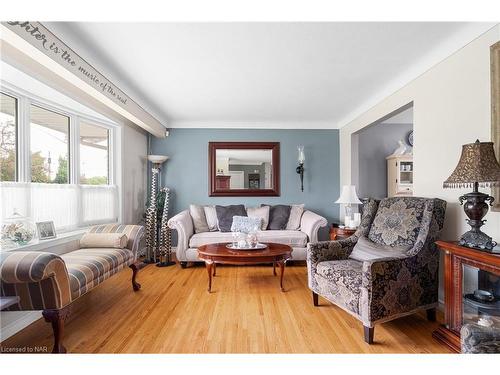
(274, 253)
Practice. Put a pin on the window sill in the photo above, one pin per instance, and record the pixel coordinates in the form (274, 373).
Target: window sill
(38, 245)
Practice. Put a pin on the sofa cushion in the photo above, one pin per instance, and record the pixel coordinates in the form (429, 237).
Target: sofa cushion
(291, 238)
(199, 220)
(211, 216)
(260, 212)
(89, 267)
(225, 215)
(104, 240)
(340, 282)
(296, 212)
(397, 221)
(278, 216)
(368, 250)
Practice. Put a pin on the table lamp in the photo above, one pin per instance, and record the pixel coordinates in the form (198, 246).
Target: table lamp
(348, 198)
(477, 166)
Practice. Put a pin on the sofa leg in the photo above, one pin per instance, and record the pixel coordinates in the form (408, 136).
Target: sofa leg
(368, 334)
(135, 285)
(315, 299)
(57, 317)
(431, 314)
(184, 264)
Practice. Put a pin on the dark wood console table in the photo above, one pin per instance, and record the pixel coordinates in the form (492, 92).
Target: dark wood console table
(467, 270)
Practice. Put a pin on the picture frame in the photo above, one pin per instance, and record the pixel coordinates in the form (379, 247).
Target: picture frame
(46, 230)
(495, 113)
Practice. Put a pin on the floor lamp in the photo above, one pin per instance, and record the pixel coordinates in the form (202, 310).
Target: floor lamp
(165, 248)
(151, 212)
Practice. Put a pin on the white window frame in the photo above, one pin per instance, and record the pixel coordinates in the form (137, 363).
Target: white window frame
(23, 153)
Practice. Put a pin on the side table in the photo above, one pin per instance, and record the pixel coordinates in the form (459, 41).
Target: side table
(337, 233)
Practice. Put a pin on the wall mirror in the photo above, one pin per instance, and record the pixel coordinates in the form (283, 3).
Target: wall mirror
(244, 169)
(495, 112)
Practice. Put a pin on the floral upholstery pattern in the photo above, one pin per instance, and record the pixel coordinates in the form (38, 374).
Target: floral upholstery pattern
(476, 339)
(397, 222)
(390, 286)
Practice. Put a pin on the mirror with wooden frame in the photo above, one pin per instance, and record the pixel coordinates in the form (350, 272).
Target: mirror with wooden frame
(244, 169)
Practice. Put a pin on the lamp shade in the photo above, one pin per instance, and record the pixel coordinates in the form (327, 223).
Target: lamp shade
(477, 164)
(157, 159)
(348, 195)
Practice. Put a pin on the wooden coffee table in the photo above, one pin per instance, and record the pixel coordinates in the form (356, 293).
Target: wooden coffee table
(274, 253)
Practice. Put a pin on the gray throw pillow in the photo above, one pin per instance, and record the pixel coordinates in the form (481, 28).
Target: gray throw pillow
(365, 249)
(225, 215)
(278, 216)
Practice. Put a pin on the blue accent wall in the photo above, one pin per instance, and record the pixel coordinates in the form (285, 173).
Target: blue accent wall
(186, 171)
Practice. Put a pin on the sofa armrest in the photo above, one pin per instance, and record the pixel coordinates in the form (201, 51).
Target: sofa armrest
(183, 224)
(39, 279)
(310, 224)
(324, 251)
(476, 339)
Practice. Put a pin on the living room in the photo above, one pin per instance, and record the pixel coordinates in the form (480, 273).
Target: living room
(287, 187)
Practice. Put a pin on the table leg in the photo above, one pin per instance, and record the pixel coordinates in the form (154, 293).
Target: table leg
(274, 268)
(281, 264)
(209, 264)
(215, 268)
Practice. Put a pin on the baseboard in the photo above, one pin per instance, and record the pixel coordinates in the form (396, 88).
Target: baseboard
(14, 321)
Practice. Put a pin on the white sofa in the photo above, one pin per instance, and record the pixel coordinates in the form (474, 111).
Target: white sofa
(188, 241)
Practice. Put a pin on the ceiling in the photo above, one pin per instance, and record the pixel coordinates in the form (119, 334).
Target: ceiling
(306, 75)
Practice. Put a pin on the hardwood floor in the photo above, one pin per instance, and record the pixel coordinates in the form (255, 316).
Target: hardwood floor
(245, 313)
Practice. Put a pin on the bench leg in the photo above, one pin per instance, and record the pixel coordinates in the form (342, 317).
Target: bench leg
(57, 317)
(135, 285)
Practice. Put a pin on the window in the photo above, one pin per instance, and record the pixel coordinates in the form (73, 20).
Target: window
(8, 137)
(94, 158)
(55, 163)
(49, 137)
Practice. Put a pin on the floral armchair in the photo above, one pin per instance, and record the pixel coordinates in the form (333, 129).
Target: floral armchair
(388, 268)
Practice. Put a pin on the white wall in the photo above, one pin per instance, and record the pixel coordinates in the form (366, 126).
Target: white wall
(451, 107)
(134, 174)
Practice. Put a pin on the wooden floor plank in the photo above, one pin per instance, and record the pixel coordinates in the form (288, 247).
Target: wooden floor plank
(245, 313)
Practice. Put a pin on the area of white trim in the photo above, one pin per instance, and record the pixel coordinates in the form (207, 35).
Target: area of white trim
(252, 125)
(22, 320)
(440, 53)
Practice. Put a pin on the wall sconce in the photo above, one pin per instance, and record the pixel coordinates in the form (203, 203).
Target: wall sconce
(300, 168)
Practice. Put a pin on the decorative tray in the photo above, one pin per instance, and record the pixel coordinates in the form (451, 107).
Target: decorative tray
(258, 246)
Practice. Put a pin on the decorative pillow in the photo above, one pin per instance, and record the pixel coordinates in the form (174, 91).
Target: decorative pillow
(225, 215)
(99, 240)
(245, 224)
(211, 217)
(368, 250)
(278, 216)
(260, 212)
(295, 215)
(199, 219)
(397, 221)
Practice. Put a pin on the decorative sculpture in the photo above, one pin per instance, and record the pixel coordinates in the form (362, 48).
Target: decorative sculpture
(151, 212)
(165, 248)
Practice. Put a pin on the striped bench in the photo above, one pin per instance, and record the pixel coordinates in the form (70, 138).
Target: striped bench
(48, 282)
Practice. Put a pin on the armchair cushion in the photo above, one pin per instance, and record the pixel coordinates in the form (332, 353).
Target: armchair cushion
(398, 221)
(368, 250)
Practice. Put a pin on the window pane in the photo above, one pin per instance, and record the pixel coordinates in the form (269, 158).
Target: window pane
(94, 154)
(8, 136)
(49, 146)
